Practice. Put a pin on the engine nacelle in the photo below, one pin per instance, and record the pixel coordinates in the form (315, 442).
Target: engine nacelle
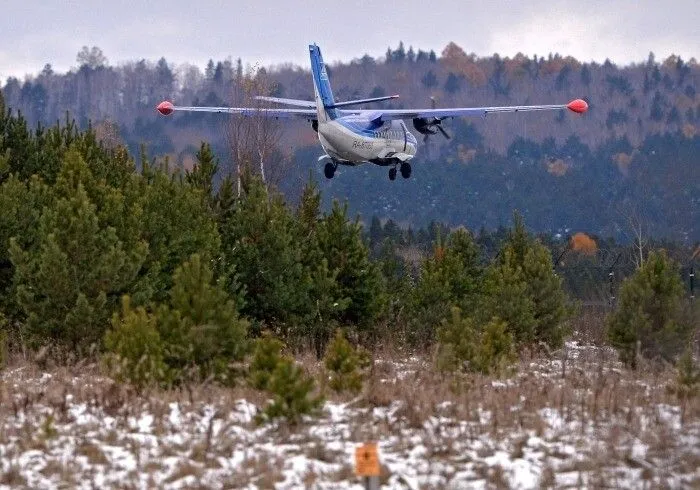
(426, 126)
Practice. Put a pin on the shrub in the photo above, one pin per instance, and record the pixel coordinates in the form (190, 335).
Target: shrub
(291, 389)
(292, 392)
(687, 385)
(346, 364)
(134, 347)
(267, 354)
(466, 347)
(650, 313)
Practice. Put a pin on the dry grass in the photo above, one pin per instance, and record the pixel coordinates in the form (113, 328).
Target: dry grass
(578, 417)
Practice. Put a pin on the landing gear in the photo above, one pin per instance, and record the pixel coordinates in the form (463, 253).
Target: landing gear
(392, 173)
(329, 170)
(405, 170)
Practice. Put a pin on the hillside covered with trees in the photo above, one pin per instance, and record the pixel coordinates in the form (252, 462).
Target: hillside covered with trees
(633, 156)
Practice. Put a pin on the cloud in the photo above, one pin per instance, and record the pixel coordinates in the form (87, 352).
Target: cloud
(269, 31)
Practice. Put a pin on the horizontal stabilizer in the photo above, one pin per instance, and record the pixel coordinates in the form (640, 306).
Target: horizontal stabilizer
(292, 102)
(362, 101)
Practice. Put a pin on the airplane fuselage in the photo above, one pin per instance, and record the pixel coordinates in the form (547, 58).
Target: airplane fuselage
(353, 140)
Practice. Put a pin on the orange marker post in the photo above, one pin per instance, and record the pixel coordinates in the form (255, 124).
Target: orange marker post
(367, 464)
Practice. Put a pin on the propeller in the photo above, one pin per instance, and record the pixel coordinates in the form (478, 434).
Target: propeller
(429, 126)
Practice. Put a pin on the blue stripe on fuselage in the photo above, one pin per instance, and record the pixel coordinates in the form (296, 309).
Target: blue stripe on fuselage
(360, 127)
(368, 129)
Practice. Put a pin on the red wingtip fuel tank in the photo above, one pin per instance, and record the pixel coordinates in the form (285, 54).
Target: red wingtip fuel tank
(165, 108)
(579, 106)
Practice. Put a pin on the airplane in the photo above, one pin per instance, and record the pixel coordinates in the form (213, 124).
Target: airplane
(356, 136)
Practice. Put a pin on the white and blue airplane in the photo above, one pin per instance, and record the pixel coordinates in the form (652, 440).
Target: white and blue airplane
(356, 136)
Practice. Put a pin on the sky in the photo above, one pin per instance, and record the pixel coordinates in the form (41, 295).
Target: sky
(267, 32)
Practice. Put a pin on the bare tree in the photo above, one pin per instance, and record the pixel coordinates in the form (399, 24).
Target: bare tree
(637, 229)
(254, 138)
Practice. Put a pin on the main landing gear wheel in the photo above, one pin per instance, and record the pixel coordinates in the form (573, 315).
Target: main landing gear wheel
(392, 173)
(329, 170)
(405, 170)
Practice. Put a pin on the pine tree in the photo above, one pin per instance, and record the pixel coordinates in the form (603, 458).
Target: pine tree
(267, 353)
(451, 277)
(523, 290)
(176, 222)
(202, 175)
(505, 295)
(345, 364)
(259, 238)
(291, 388)
(70, 279)
(464, 345)
(649, 312)
(22, 204)
(200, 325)
(292, 392)
(358, 279)
(135, 351)
(326, 301)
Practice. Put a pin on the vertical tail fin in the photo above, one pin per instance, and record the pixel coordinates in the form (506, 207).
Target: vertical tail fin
(322, 86)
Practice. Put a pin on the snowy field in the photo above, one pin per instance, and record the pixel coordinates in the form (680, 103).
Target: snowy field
(577, 420)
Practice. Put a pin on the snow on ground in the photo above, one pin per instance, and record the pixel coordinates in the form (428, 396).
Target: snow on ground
(59, 430)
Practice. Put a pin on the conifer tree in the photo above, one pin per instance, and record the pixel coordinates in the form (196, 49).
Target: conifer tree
(345, 364)
(200, 326)
(267, 353)
(202, 175)
(176, 222)
(326, 301)
(292, 392)
(66, 281)
(649, 312)
(358, 278)
(505, 296)
(135, 351)
(523, 290)
(451, 277)
(465, 345)
(22, 204)
(259, 239)
(278, 374)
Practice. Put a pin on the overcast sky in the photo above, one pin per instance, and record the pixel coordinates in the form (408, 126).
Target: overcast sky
(36, 32)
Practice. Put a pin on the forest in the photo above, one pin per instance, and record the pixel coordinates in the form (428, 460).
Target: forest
(633, 154)
(154, 262)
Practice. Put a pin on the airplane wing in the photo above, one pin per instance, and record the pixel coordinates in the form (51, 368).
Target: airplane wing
(579, 106)
(166, 108)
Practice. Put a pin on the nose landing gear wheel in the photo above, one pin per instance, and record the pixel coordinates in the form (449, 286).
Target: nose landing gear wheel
(405, 170)
(329, 170)
(392, 173)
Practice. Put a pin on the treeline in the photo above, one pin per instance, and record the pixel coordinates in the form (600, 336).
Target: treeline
(625, 157)
(170, 280)
(632, 102)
